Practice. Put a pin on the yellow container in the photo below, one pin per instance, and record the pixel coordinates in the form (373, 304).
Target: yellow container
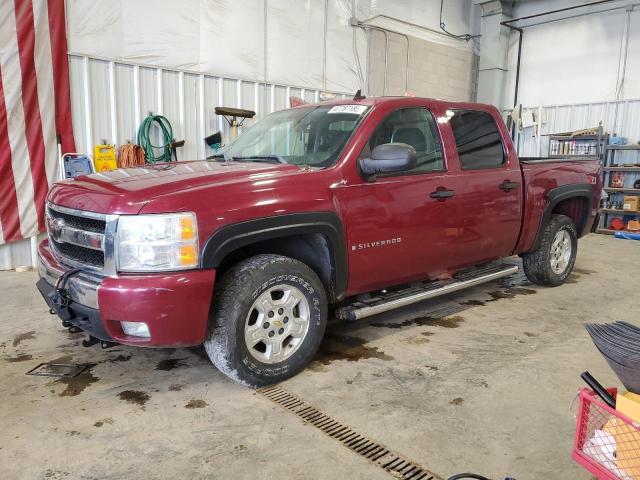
(104, 158)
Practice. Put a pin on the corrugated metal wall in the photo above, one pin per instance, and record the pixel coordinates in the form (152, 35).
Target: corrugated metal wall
(109, 100)
(621, 117)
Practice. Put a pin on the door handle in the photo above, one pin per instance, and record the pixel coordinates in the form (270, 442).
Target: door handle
(442, 194)
(507, 186)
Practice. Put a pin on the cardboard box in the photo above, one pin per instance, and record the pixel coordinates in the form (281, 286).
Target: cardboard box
(627, 446)
(629, 404)
(631, 203)
(627, 437)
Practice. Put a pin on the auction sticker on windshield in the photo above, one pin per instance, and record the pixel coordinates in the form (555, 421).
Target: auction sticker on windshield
(355, 109)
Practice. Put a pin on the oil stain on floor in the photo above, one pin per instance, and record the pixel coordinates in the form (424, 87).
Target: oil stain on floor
(573, 278)
(507, 293)
(583, 271)
(23, 336)
(103, 421)
(511, 292)
(169, 364)
(76, 385)
(417, 340)
(343, 347)
(136, 397)
(425, 321)
(119, 358)
(193, 403)
(21, 357)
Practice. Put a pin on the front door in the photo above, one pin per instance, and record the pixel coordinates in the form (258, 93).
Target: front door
(398, 225)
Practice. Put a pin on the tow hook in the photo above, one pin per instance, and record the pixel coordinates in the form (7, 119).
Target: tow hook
(60, 297)
(91, 341)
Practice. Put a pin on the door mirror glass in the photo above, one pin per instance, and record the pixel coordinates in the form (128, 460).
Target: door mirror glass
(389, 158)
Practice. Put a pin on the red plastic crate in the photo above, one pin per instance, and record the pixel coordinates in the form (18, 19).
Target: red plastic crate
(606, 442)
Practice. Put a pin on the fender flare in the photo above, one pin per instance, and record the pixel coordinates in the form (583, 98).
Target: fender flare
(558, 194)
(237, 235)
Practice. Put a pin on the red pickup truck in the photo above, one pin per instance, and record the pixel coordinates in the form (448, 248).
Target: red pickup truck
(314, 209)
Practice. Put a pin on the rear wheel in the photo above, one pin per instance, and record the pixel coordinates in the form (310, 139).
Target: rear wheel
(268, 318)
(553, 261)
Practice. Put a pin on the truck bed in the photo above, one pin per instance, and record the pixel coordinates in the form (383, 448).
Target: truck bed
(545, 175)
(555, 159)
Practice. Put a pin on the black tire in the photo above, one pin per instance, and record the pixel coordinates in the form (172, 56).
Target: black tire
(233, 301)
(537, 264)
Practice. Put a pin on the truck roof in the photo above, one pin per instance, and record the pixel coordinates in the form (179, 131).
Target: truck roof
(401, 100)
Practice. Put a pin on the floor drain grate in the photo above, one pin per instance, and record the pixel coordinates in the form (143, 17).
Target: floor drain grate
(58, 370)
(390, 461)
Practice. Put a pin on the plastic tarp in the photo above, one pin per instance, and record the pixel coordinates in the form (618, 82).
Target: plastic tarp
(226, 37)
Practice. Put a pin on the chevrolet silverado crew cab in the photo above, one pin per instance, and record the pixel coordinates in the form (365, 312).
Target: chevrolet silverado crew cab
(313, 210)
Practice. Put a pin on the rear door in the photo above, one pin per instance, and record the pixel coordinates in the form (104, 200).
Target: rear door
(488, 189)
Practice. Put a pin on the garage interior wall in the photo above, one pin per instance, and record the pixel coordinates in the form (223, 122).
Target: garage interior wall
(117, 96)
(579, 70)
(625, 114)
(576, 60)
(120, 74)
(278, 41)
(437, 65)
(182, 59)
(435, 70)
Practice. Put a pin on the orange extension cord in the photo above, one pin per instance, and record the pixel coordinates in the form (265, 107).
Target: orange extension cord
(130, 155)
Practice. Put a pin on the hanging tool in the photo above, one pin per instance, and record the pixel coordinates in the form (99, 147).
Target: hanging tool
(231, 115)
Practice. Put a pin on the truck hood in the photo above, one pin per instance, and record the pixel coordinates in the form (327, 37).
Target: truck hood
(128, 190)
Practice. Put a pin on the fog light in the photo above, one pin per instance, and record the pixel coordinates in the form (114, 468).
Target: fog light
(135, 329)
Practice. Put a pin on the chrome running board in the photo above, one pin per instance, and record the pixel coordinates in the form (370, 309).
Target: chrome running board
(426, 290)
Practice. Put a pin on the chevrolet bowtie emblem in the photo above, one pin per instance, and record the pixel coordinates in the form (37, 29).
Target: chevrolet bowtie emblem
(56, 225)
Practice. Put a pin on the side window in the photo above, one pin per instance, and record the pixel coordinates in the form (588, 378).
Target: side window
(478, 140)
(416, 127)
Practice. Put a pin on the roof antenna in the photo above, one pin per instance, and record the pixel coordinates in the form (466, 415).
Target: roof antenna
(358, 95)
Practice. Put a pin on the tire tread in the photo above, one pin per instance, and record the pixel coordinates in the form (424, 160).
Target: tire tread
(536, 263)
(221, 330)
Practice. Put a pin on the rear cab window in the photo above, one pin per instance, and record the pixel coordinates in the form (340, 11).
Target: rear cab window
(414, 126)
(478, 139)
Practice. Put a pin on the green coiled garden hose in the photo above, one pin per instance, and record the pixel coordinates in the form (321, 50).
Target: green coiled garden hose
(166, 136)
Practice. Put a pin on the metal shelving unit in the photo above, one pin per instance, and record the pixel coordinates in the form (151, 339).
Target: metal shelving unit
(577, 145)
(610, 166)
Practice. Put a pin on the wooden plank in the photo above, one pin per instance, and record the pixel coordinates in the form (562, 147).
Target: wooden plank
(622, 190)
(618, 211)
(622, 169)
(622, 147)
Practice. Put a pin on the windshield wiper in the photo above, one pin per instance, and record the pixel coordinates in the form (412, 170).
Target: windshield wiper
(264, 158)
(218, 156)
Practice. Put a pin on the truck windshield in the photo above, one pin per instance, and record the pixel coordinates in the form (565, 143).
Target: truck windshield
(310, 136)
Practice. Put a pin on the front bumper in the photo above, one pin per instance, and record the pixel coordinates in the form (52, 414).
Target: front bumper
(174, 305)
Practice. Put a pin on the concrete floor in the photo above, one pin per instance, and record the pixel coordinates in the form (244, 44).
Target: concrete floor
(489, 388)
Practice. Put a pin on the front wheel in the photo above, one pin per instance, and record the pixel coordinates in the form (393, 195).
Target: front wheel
(268, 319)
(553, 261)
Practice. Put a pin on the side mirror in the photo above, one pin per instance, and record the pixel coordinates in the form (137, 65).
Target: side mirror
(388, 158)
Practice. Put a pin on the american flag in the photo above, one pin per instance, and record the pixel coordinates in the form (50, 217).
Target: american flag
(35, 107)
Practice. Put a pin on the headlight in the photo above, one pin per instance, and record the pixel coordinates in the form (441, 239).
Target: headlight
(157, 242)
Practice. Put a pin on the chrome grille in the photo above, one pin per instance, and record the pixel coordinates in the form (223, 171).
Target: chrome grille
(77, 237)
(82, 223)
(80, 254)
